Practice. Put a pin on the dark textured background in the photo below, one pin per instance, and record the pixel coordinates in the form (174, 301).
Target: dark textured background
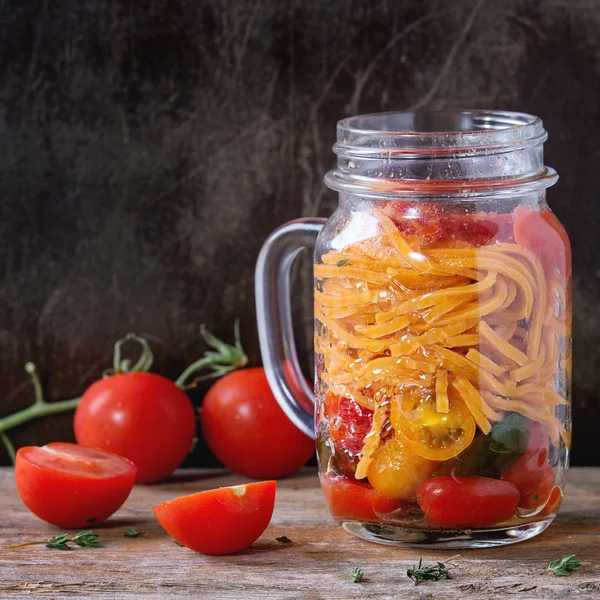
(148, 148)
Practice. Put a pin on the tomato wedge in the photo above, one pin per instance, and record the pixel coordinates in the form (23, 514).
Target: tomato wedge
(72, 486)
(221, 521)
(467, 502)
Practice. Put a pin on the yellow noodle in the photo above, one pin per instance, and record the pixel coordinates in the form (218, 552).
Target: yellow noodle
(397, 318)
(442, 404)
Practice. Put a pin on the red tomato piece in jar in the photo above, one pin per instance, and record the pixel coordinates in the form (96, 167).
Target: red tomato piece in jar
(542, 234)
(354, 500)
(467, 502)
(221, 521)
(432, 227)
(349, 423)
(532, 473)
(72, 486)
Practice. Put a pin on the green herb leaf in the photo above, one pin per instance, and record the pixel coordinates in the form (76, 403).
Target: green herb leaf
(87, 539)
(177, 543)
(283, 539)
(358, 575)
(133, 533)
(565, 566)
(491, 454)
(58, 542)
(436, 572)
(341, 263)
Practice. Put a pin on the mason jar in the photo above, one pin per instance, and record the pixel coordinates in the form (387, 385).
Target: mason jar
(442, 287)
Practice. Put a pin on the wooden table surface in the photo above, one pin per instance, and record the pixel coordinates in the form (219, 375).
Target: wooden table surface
(315, 565)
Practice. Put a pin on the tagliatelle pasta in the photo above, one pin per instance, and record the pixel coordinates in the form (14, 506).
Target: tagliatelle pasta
(466, 326)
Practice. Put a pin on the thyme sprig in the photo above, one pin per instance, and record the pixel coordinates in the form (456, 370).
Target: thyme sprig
(434, 572)
(358, 575)
(564, 566)
(133, 533)
(61, 541)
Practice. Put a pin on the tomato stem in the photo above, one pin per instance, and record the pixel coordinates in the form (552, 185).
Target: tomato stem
(226, 359)
(39, 408)
(25, 544)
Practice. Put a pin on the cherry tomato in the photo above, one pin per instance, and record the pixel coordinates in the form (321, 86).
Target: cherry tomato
(531, 473)
(220, 521)
(349, 423)
(247, 430)
(141, 416)
(71, 486)
(431, 434)
(354, 500)
(396, 472)
(467, 501)
(553, 503)
(542, 233)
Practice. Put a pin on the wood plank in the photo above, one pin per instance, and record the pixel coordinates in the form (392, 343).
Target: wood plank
(315, 566)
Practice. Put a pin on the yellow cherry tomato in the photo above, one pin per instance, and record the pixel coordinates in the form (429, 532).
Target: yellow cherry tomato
(431, 434)
(396, 472)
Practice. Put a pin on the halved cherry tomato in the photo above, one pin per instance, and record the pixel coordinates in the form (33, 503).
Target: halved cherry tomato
(221, 521)
(532, 473)
(431, 434)
(542, 233)
(354, 500)
(71, 486)
(467, 501)
(247, 430)
(396, 472)
(142, 416)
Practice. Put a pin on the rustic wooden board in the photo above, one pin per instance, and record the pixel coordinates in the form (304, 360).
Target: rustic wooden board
(315, 566)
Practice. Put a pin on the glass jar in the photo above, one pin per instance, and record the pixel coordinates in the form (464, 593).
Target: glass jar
(442, 330)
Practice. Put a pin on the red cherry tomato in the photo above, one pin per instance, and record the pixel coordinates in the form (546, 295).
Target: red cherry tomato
(71, 486)
(467, 501)
(353, 500)
(141, 416)
(542, 233)
(531, 473)
(247, 430)
(220, 521)
(349, 423)
(553, 504)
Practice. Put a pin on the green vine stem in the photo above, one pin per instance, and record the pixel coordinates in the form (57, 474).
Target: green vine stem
(224, 359)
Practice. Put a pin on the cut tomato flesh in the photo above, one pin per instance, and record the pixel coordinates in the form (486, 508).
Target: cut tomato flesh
(71, 486)
(220, 521)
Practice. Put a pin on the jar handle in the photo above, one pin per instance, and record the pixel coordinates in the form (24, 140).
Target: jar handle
(274, 318)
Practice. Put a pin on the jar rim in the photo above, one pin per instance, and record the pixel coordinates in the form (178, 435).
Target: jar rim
(483, 119)
(474, 151)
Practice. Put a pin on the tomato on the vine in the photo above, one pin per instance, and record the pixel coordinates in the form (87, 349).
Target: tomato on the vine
(431, 434)
(221, 521)
(465, 502)
(141, 416)
(72, 486)
(247, 430)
